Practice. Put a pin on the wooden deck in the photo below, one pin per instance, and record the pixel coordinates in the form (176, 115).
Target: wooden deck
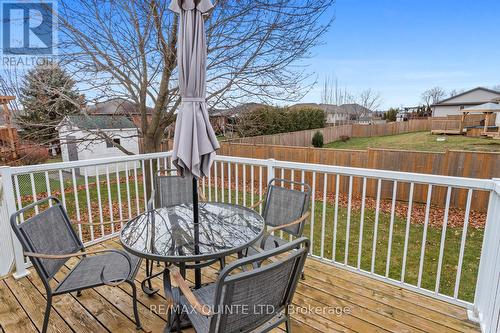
(369, 306)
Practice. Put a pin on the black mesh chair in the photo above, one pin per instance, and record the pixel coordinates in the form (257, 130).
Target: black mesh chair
(49, 240)
(255, 300)
(169, 189)
(285, 210)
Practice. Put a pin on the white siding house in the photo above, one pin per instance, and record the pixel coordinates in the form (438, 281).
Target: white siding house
(80, 139)
(454, 105)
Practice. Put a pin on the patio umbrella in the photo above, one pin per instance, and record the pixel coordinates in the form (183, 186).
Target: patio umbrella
(195, 142)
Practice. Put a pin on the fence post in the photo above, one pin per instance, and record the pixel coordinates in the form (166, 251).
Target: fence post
(486, 308)
(9, 207)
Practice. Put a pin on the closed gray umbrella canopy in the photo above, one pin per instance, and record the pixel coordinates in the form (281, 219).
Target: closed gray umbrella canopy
(195, 142)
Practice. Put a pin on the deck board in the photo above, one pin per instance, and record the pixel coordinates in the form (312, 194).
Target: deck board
(373, 306)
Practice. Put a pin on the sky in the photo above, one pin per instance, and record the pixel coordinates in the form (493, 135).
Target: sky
(402, 47)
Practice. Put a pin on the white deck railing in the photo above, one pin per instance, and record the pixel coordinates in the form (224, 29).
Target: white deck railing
(431, 247)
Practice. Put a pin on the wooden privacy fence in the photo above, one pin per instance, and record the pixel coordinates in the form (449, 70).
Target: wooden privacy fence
(334, 133)
(450, 163)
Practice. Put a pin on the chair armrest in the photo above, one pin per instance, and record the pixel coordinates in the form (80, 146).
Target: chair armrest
(84, 253)
(188, 294)
(260, 250)
(299, 220)
(256, 204)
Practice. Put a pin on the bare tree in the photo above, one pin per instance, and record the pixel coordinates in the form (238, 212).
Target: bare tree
(128, 49)
(370, 99)
(432, 96)
(333, 94)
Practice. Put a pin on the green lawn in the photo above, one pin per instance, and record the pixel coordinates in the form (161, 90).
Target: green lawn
(422, 141)
(452, 243)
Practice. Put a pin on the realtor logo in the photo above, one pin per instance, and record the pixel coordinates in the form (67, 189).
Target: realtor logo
(28, 31)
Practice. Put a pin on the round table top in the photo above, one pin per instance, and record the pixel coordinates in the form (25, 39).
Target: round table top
(166, 234)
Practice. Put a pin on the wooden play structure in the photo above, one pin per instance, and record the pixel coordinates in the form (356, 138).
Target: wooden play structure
(9, 140)
(491, 113)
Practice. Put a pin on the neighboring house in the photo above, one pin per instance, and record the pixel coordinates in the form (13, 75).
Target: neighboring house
(341, 114)
(345, 113)
(119, 106)
(80, 139)
(454, 105)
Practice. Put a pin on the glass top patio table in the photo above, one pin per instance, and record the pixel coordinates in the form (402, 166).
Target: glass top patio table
(166, 234)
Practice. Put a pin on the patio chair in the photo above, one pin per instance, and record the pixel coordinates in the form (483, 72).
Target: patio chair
(169, 189)
(49, 241)
(242, 301)
(285, 210)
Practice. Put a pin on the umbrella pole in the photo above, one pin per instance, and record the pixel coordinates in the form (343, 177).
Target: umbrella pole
(196, 225)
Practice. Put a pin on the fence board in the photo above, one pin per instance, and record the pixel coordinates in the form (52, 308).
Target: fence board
(451, 163)
(334, 133)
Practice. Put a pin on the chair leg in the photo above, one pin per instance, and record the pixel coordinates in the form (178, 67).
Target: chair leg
(47, 313)
(222, 262)
(134, 304)
(288, 325)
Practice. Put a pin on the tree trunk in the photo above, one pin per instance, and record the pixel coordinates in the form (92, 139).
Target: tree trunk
(151, 144)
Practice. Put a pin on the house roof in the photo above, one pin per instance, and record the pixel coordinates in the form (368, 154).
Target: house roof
(447, 100)
(116, 106)
(351, 108)
(486, 107)
(93, 122)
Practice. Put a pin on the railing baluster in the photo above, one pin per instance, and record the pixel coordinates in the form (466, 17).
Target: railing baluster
(215, 182)
(47, 186)
(136, 186)
(424, 235)
(361, 223)
(143, 166)
(129, 203)
(61, 186)
(462, 244)
(443, 239)
(33, 190)
(348, 225)
(118, 188)
(391, 228)
(110, 200)
(323, 216)
(260, 188)
(407, 231)
(375, 226)
(18, 197)
(210, 185)
(313, 197)
(252, 184)
(236, 171)
(222, 180)
(229, 181)
(98, 184)
(335, 217)
(77, 204)
(89, 206)
(244, 184)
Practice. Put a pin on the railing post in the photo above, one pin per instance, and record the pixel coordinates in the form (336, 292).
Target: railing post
(9, 207)
(486, 308)
(271, 164)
